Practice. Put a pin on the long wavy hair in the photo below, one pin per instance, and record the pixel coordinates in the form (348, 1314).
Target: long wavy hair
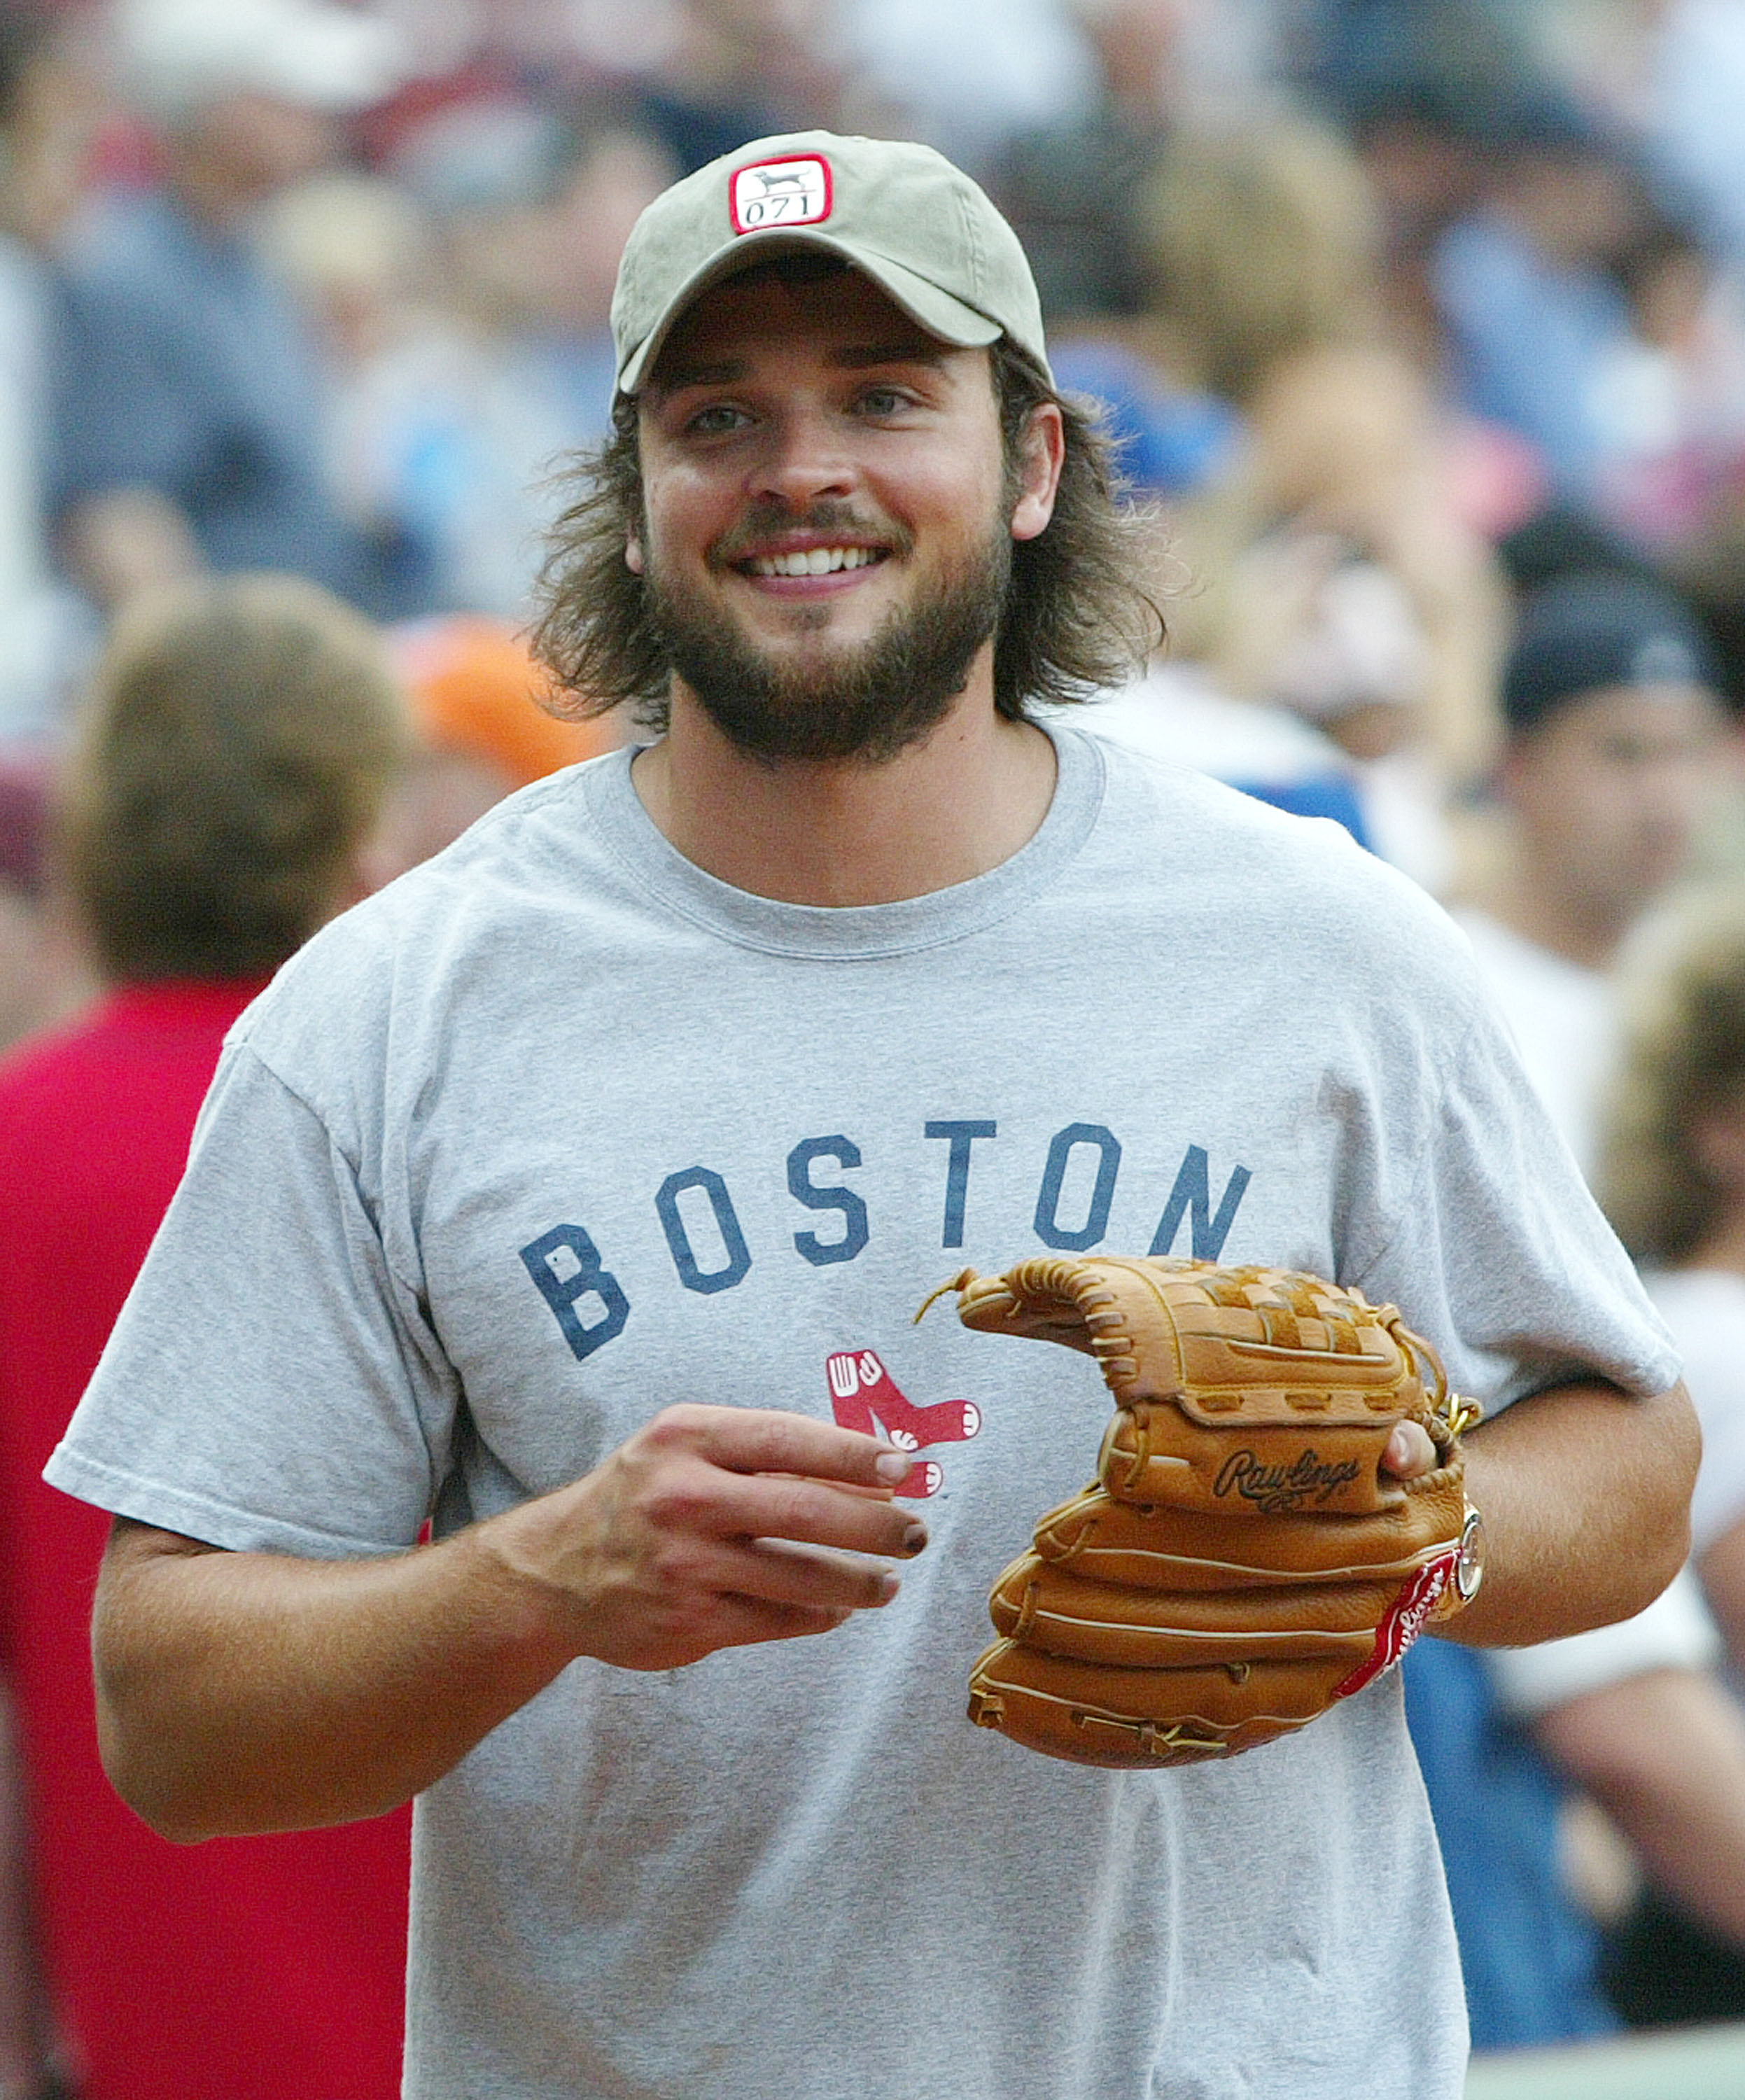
(1080, 613)
(1684, 1054)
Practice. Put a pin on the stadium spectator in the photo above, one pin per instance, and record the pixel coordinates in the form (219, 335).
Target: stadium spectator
(1072, 189)
(242, 735)
(728, 70)
(187, 419)
(1672, 1176)
(1613, 743)
(1533, 315)
(44, 977)
(458, 424)
(1613, 753)
(474, 690)
(48, 113)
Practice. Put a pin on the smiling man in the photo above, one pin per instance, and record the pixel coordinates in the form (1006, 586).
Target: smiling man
(574, 1195)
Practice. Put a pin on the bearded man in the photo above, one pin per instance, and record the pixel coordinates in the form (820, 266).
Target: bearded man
(574, 1195)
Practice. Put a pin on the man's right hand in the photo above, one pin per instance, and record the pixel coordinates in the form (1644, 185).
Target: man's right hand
(247, 1692)
(713, 1527)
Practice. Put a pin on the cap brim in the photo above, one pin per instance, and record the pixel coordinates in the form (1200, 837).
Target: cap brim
(936, 312)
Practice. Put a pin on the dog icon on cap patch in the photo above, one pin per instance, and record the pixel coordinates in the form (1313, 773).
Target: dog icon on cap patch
(792, 192)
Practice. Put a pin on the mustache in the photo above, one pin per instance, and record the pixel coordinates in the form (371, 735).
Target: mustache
(764, 520)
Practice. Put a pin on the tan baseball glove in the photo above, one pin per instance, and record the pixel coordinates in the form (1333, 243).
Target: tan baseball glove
(1243, 1561)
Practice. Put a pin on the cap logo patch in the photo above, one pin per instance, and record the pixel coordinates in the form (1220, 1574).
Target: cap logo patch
(794, 191)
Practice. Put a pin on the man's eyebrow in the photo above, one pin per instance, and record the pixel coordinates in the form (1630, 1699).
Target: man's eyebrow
(722, 372)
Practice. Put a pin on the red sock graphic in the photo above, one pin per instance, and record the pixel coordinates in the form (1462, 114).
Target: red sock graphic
(865, 1396)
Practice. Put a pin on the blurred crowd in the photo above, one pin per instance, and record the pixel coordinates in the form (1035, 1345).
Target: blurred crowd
(1422, 323)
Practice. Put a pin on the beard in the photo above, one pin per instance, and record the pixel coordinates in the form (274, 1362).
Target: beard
(864, 703)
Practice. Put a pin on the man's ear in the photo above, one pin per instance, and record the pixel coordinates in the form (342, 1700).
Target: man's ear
(633, 553)
(1040, 451)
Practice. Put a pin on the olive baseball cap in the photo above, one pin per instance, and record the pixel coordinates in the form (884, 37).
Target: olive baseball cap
(900, 213)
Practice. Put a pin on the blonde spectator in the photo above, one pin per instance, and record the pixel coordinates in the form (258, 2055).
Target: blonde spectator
(240, 734)
(1263, 243)
(1259, 241)
(1672, 1176)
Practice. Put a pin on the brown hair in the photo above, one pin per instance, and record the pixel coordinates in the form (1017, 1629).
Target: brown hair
(1683, 1054)
(1079, 614)
(239, 736)
(1258, 242)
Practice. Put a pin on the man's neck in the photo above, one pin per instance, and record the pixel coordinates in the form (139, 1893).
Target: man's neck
(941, 812)
(1579, 929)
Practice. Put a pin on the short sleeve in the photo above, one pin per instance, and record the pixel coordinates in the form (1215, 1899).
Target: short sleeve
(270, 1385)
(1500, 1254)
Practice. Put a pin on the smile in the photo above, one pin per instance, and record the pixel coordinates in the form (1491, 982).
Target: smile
(813, 561)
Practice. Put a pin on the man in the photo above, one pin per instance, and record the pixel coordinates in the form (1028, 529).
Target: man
(537, 1196)
(240, 737)
(1614, 731)
(1612, 755)
(187, 413)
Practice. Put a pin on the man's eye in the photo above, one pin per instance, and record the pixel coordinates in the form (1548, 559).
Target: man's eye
(716, 421)
(884, 400)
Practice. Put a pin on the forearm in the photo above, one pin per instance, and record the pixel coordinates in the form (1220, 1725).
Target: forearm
(250, 1691)
(1585, 1497)
(246, 1692)
(1663, 1754)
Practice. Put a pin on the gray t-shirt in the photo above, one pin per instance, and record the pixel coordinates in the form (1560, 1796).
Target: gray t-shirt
(558, 1129)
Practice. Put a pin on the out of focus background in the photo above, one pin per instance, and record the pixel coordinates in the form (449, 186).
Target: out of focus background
(1421, 326)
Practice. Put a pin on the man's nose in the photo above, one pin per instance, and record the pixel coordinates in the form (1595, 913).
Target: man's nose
(806, 457)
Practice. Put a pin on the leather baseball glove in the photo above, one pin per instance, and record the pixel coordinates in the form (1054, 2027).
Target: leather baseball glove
(1242, 1561)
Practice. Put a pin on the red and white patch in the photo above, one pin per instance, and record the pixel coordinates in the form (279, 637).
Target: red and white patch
(1405, 1621)
(865, 1396)
(796, 191)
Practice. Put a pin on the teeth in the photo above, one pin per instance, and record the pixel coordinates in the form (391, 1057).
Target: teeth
(812, 562)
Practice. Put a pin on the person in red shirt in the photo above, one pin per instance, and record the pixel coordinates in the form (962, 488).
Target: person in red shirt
(241, 737)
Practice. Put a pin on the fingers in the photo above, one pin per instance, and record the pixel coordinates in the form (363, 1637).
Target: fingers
(696, 1465)
(1410, 1451)
(752, 1439)
(711, 1527)
(776, 1571)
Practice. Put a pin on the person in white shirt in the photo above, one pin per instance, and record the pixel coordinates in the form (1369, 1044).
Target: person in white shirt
(1613, 748)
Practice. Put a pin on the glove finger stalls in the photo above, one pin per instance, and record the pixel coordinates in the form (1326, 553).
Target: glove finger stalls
(1151, 1549)
(1095, 1715)
(1052, 1609)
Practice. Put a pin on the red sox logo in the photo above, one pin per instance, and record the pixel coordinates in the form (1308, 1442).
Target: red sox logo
(865, 1396)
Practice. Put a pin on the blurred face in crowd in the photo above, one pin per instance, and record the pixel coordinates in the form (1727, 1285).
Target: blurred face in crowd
(828, 517)
(621, 177)
(1609, 790)
(249, 147)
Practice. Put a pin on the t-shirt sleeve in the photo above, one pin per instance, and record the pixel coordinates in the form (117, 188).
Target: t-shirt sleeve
(271, 1385)
(1498, 1252)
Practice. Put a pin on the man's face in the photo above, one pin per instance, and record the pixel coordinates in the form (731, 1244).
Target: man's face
(1610, 789)
(265, 143)
(828, 520)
